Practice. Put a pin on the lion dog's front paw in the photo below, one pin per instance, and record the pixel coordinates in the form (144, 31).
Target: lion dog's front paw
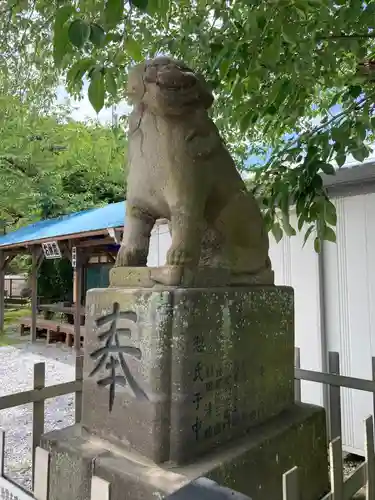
(131, 256)
(179, 256)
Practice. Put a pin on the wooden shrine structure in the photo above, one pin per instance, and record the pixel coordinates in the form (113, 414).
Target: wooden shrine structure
(79, 237)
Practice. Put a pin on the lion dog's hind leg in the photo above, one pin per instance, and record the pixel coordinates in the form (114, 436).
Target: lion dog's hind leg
(246, 241)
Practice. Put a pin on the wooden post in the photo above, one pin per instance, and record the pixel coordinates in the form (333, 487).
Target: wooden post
(334, 395)
(2, 289)
(77, 298)
(37, 258)
(38, 411)
(373, 392)
(100, 489)
(74, 284)
(2, 452)
(78, 394)
(34, 291)
(297, 382)
(42, 470)
(290, 485)
(336, 469)
(370, 459)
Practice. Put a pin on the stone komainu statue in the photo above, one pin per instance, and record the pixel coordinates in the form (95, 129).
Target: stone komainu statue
(180, 169)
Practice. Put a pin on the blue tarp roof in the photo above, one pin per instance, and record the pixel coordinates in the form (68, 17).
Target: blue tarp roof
(94, 219)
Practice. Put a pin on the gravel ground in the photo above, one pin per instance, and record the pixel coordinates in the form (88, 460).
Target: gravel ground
(351, 462)
(16, 374)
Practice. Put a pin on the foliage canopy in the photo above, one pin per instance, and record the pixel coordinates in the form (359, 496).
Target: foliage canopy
(294, 75)
(50, 165)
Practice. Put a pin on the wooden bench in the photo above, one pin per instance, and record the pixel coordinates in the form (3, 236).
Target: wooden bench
(55, 330)
(51, 328)
(68, 329)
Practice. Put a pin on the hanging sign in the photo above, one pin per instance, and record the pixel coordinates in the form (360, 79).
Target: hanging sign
(51, 250)
(74, 257)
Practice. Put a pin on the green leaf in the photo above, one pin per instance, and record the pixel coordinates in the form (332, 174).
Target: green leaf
(329, 234)
(60, 33)
(63, 14)
(79, 32)
(224, 66)
(361, 130)
(110, 83)
(277, 231)
(153, 7)
(140, 4)
(289, 230)
(271, 54)
(360, 153)
(330, 214)
(164, 6)
(60, 46)
(78, 69)
(245, 120)
(315, 209)
(335, 100)
(327, 168)
(307, 234)
(340, 159)
(301, 12)
(113, 37)
(289, 33)
(283, 198)
(317, 245)
(300, 205)
(97, 35)
(355, 91)
(268, 218)
(317, 182)
(96, 90)
(283, 94)
(341, 134)
(113, 12)
(133, 48)
(301, 221)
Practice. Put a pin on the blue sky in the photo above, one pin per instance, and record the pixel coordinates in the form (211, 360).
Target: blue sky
(83, 109)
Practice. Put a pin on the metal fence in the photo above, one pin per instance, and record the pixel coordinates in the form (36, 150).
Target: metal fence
(364, 475)
(13, 285)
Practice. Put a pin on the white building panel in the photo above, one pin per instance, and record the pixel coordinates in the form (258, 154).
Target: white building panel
(344, 277)
(297, 266)
(349, 282)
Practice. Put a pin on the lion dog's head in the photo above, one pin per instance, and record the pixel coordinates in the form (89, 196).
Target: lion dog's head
(167, 86)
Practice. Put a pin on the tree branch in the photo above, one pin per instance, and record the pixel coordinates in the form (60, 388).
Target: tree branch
(343, 36)
(315, 130)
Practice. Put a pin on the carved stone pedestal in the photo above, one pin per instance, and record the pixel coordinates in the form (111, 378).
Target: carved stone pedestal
(184, 382)
(252, 465)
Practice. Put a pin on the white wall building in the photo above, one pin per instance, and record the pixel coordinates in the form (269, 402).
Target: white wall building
(334, 293)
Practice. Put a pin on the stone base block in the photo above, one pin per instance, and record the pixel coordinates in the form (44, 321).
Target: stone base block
(252, 465)
(191, 365)
(149, 277)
